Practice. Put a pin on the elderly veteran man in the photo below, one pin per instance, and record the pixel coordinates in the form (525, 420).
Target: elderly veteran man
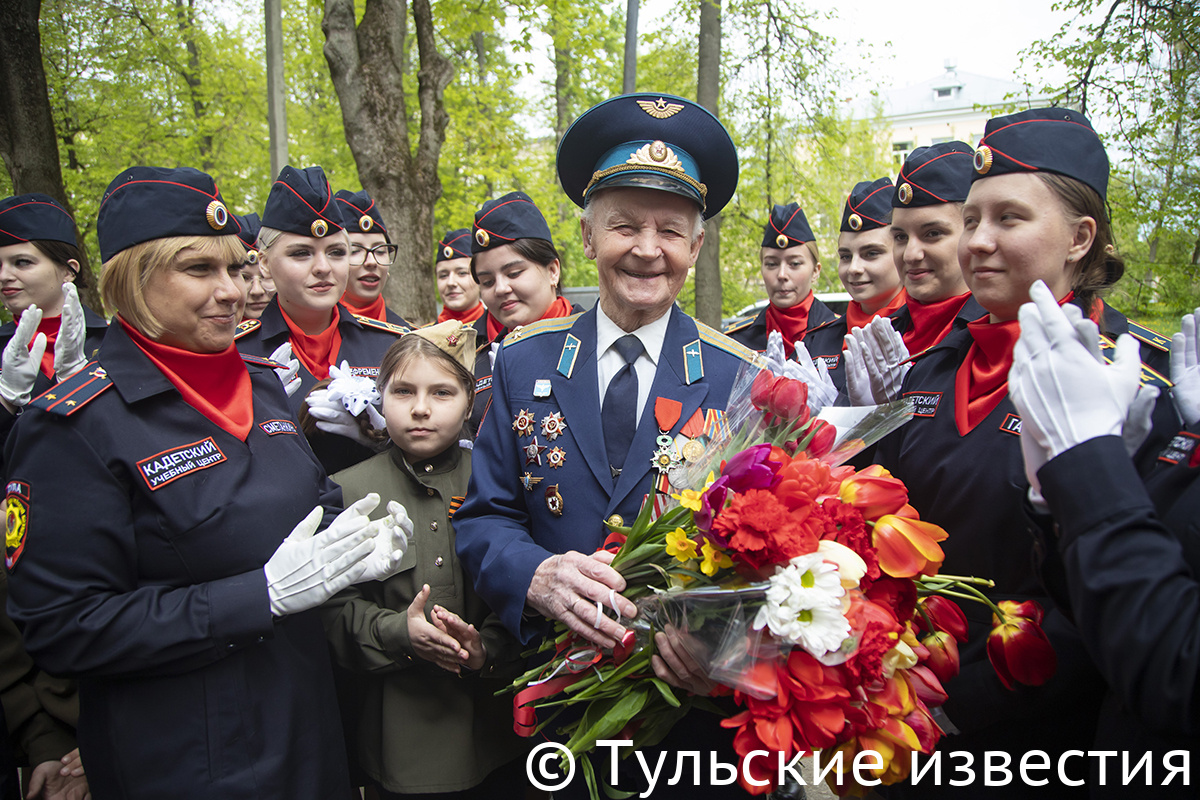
(581, 405)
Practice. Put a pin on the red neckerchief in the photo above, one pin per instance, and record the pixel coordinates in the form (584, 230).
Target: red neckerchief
(857, 318)
(981, 381)
(48, 326)
(792, 323)
(376, 309)
(466, 317)
(316, 353)
(215, 384)
(561, 307)
(931, 321)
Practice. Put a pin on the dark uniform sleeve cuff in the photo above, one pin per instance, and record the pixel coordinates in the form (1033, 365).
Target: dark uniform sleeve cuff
(1090, 483)
(240, 610)
(45, 739)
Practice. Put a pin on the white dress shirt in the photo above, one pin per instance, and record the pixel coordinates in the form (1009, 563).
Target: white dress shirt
(609, 360)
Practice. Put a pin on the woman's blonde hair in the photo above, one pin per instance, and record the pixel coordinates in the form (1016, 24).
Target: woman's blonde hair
(123, 277)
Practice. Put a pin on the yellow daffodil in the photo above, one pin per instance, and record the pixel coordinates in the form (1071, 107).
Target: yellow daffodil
(714, 559)
(690, 498)
(680, 546)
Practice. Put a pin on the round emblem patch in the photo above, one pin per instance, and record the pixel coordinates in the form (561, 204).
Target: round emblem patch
(217, 215)
(319, 228)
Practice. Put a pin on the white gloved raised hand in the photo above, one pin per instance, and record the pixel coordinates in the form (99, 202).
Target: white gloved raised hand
(858, 384)
(1064, 396)
(392, 535)
(1185, 368)
(21, 363)
(68, 346)
(289, 374)
(310, 567)
(821, 390)
(887, 359)
(332, 417)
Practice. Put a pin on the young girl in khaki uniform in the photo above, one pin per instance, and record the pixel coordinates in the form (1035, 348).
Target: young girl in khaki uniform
(430, 653)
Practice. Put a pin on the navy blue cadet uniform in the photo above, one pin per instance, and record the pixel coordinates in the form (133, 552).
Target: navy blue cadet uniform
(753, 332)
(149, 585)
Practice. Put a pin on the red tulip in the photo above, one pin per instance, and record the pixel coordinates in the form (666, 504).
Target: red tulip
(943, 658)
(1018, 647)
(823, 438)
(760, 390)
(874, 492)
(789, 400)
(927, 686)
(945, 615)
(907, 547)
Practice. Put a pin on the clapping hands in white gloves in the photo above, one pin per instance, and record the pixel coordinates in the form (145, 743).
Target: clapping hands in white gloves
(1185, 369)
(289, 374)
(821, 389)
(310, 567)
(391, 534)
(68, 346)
(20, 363)
(876, 362)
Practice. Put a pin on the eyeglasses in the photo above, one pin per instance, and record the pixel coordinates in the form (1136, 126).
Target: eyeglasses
(384, 254)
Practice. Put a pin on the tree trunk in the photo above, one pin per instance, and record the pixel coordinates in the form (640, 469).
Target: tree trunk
(708, 91)
(368, 71)
(28, 142)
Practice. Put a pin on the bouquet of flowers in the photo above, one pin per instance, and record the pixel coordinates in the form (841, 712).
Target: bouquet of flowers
(806, 589)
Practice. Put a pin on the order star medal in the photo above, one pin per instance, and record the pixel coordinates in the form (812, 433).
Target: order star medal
(553, 425)
(533, 452)
(664, 458)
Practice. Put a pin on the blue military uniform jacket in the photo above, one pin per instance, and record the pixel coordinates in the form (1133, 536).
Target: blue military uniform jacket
(364, 341)
(508, 525)
(138, 531)
(753, 332)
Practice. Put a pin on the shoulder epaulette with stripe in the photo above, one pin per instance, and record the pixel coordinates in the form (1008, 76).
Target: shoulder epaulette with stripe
(541, 326)
(1150, 337)
(390, 327)
(739, 324)
(259, 361)
(720, 341)
(245, 326)
(1150, 376)
(74, 393)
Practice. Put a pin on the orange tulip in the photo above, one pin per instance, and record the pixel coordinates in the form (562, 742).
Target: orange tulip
(943, 658)
(908, 547)
(874, 492)
(1018, 647)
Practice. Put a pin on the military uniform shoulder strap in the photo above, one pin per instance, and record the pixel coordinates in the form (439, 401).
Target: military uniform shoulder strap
(1150, 376)
(1150, 337)
(390, 327)
(715, 338)
(246, 326)
(541, 326)
(74, 393)
(259, 361)
(739, 324)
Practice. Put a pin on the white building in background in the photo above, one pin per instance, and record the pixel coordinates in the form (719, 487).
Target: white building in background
(952, 106)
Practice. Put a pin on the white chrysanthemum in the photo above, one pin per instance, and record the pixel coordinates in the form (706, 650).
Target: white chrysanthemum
(804, 605)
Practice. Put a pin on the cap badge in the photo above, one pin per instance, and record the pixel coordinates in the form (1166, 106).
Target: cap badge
(855, 222)
(217, 215)
(781, 241)
(660, 108)
(481, 236)
(251, 256)
(365, 223)
(656, 154)
(905, 193)
(447, 251)
(983, 159)
(319, 228)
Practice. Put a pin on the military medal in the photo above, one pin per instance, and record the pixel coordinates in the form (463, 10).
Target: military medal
(541, 388)
(693, 450)
(688, 442)
(556, 457)
(554, 500)
(666, 414)
(523, 424)
(533, 452)
(528, 481)
(553, 425)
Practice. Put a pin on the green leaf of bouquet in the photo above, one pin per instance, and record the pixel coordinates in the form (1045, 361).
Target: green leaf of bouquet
(605, 719)
(589, 775)
(666, 692)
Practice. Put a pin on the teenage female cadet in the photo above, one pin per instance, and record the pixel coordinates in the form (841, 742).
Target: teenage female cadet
(1035, 211)
(1127, 542)
(514, 261)
(865, 268)
(925, 227)
(259, 290)
(790, 262)
(304, 249)
(371, 256)
(172, 587)
(452, 270)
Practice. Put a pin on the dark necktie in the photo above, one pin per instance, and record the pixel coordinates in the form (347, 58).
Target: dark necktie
(619, 415)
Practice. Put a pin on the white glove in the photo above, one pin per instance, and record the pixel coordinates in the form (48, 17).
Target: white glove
(289, 375)
(1138, 423)
(392, 535)
(821, 390)
(1185, 369)
(1063, 395)
(309, 569)
(68, 347)
(858, 384)
(332, 417)
(21, 363)
(886, 358)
